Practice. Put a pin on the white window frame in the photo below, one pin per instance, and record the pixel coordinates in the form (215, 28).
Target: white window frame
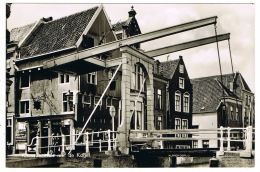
(186, 109)
(231, 113)
(90, 78)
(110, 73)
(137, 77)
(205, 141)
(181, 68)
(97, 98)
(237, 114)
(20, 108)
(184, 127)
(66, 78)
(85, 103)
(177, 127)
(159, 122)
(108, 102)
(68, 111)
(29, 80)
(138, 114)
(159, 98)
(181, 83)
(195, 145)
(177, 106)
(12, 129)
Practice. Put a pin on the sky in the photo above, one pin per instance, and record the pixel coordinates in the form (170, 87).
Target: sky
(234, 18)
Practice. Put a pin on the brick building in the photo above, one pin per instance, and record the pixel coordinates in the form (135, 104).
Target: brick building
(230, 104)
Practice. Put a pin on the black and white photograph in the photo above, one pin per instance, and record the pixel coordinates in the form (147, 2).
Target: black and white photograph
(129, 85)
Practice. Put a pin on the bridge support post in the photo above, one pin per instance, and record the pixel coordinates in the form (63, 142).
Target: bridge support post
(37, 146)
(63, 144)
(100, 145)
(228, 139)
(26, 148)
(213, 162)
(221, 149)
(248, 152)
(109, 141)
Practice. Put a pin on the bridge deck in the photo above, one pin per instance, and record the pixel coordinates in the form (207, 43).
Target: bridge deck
(195, 152)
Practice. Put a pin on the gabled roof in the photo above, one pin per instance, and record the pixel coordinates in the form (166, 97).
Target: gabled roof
(58, 34)
(168, 68)
(18, 34)
(119, 26)
(207, 91)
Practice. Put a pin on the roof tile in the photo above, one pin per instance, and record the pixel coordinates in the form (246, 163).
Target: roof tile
(58, 34)
(167, 68)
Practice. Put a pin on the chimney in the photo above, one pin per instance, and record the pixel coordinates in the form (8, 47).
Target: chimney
(47, 19)
(132, 13)
(180, 57)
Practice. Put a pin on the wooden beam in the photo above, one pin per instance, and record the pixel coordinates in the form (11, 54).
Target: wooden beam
(129, 41)
(187, 45)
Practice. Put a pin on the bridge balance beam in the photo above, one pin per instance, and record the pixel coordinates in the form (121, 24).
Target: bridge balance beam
(187, 45)
(84, 54)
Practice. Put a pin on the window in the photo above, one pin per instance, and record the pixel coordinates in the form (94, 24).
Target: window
(195, 144)
(182, 146)
(24, 107)
(177, 125)
(108, 102)
(9, 131)
(110, 74)
(181, 83)
(231, 113)
(159, 99)
(205, 143)
(86, 100)
(159, 123)
(184, 126)
(91, 78)
(67, 102)
(97, 99)
(64, 78)
(237, 117)
(245, 116)
(137, 78)
(177, 101)
(186, 102)
(181, 68)
(137, 115)
(246, 99)
(119, 36)
(25, 80)
(249, 100)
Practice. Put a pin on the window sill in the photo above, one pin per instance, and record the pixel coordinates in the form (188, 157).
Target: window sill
(67, 113)
(24, 88)
(24, 115)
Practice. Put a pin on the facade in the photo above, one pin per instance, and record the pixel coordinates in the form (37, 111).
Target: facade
(215, 104)
(47, 103)
(179, 99)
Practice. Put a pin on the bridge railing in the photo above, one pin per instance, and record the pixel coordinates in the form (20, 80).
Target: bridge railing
(100, 141)
(148, 138)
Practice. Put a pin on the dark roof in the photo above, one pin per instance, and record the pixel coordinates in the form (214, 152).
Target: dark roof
(207, 91)
(118, 26)
(167, 68)
(18, 34)
(246, 87)
(58, 34)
